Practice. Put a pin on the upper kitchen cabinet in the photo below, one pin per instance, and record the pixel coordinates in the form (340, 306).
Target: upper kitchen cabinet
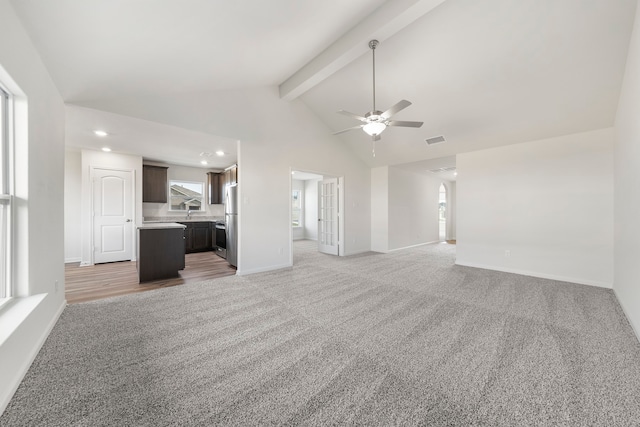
(154, 184)
(218, 180)
(231, 175)
(215, 182)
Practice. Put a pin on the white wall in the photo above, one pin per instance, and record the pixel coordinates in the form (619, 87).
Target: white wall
(380, 209)
(39, 203)
(99, 159)
(72, 203)
(311, 209)
(404, 208)
(548, 202)
(297, 140)
(413, 208)
(290, 137)
(627, 186)
(183, 173)
(451, 210)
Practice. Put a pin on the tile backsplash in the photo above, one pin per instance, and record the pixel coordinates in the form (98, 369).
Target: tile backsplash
(162, 210)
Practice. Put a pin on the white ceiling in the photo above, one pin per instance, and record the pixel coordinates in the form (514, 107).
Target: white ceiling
(155, 142)
(481, 73)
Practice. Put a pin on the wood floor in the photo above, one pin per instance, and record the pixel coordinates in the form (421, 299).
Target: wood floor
(121, 278)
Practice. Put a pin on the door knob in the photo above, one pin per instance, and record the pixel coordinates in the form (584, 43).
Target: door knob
(128, 220)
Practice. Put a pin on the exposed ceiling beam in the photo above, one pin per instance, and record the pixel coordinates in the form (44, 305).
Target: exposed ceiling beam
(388, 19)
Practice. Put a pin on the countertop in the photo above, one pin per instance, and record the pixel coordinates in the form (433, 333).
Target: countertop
(152, 220)
(157, 225)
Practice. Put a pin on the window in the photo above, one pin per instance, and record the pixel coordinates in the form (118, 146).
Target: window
(186, 196)
(296, 208)
(5, 193)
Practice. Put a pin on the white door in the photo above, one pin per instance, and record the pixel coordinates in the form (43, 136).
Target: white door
(328, 216)
(112, 215)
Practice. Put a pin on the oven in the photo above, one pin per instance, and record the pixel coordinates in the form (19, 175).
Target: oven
(220, 239)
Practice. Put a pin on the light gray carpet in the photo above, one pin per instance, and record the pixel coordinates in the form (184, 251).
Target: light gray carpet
(405, 338)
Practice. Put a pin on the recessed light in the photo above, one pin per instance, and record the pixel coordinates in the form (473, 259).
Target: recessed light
(220, 153)
(204, 162)
(100, 133)
(107, 149)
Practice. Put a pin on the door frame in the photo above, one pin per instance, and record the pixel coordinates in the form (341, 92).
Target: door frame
(341, 212)
(134, 227)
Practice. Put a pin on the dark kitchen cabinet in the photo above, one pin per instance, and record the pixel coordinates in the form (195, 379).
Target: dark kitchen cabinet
(216, 188)
(197, 236)
(154, 184)
(217, 182)
(231, 175)
(160, 253)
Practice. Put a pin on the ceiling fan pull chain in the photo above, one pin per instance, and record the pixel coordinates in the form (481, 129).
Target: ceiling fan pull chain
(373, 147)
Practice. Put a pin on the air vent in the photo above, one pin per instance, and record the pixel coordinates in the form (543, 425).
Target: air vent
(435, 140)
(447, 169)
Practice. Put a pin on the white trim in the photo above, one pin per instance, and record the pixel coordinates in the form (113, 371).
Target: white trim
(290, 218)
(262, 269)
(416, 245)
(22, 370)
(341, 216)
(635, 328)
(74, 259)
(408, 247)
(363, 251)
(540, 275)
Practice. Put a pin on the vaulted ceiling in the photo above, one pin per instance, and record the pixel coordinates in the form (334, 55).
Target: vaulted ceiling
(482, 73)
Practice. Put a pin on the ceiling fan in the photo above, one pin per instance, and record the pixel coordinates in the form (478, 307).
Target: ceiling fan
(374, 122)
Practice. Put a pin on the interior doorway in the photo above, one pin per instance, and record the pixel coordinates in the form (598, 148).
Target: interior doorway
(315, 207)
(442, 212)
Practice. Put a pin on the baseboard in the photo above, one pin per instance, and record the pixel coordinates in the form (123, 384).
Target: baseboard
(22, 370)
(243, 272)
(413, 246)
(362, 251)
(540, 275)
(69, 260)
(634, 328)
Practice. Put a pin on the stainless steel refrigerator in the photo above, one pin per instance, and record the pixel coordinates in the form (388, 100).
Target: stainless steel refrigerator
(231, 218)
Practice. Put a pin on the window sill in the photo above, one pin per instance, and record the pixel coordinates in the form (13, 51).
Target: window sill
(14, 312)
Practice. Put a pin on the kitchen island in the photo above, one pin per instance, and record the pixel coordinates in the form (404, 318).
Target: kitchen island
(160, 250)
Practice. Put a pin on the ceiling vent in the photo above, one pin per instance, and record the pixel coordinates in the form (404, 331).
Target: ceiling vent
(435, 140)
(447, 169)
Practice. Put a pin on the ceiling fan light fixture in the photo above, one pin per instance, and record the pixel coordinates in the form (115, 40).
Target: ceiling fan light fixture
(375, 121)
(374, 128)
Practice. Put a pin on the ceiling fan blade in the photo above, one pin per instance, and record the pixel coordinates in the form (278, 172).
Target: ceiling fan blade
(404, 124)
(354, 116)
(398, 107)
(348, 129)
